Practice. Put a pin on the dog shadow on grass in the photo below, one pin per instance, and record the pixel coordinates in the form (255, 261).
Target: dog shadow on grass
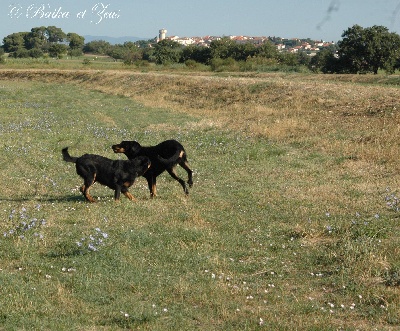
(49, 199)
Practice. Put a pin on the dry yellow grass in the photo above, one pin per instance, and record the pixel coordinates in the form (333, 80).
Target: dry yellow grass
(346, 116)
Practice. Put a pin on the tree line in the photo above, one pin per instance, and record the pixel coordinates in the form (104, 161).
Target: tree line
(41, 41)
(361, 50)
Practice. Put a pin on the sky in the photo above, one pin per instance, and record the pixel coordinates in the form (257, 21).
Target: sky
(316, 19)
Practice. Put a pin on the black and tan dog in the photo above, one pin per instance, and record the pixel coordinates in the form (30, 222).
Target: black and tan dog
(164, 156)
(118, 175)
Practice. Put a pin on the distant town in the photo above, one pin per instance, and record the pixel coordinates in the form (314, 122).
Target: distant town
(293, 45)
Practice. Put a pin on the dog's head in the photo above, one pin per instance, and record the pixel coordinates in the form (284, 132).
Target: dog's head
(141, 164)
(129, 148)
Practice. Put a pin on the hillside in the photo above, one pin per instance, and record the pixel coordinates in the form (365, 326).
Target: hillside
(301, 109)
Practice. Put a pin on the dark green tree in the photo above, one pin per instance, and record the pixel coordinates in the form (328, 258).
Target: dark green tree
(222, 48)
(97, 47)
(289, 59)
(132, 53)
(167, 51)
(20, 53)
(14, 41)
(364, 50)
(117, 52)
(75, 44)
(267, 50)
(144, 43)
(132, 57)
(226, 47)
(303, 58)
(37, 38)
(130, 45)
(55, 35)
(199, 54)
(75, 41)
(2, 57)
(35, 53)
(243, 51)
(75, 52)
(325, 61)
(57, 50)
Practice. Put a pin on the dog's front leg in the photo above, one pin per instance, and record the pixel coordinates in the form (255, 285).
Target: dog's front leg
(151, 182)
(117, 193)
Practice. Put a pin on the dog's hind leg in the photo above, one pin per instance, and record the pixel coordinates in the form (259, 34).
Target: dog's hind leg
(174, 175)
(89, 181)
(184, 164)
(87, 195)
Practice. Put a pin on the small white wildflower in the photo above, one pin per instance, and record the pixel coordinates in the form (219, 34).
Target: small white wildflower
(261, 322)
(126, 315)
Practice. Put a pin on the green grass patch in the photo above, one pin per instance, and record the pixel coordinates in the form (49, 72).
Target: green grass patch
(272, 235)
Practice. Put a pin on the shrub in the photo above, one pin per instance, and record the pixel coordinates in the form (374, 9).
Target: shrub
(20, 53)
(35, 53)
(75, 52)
(229, 64)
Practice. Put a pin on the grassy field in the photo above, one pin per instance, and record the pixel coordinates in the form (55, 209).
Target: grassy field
(292, 222)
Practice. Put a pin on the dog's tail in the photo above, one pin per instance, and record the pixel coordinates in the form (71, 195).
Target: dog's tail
(67, 157)
(174, 159)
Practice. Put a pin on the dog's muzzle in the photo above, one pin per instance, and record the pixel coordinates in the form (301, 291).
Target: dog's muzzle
(117, 149)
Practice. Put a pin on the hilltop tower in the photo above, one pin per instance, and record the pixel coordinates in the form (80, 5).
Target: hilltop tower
(162, 34)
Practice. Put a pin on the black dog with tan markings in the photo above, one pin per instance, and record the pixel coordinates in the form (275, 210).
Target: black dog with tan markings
(118, 175)
(164, 156)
